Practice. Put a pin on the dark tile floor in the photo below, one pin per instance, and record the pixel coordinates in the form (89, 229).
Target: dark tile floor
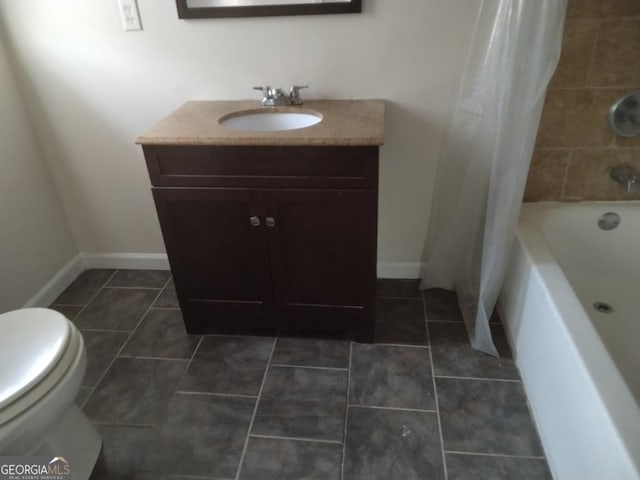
(420, 404)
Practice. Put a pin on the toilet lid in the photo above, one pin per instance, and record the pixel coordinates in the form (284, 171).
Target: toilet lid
(32, 341)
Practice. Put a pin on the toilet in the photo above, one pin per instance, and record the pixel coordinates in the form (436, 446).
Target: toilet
(42, 365)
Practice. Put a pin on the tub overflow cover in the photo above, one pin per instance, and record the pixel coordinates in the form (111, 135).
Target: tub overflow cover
(609, 221)
(603, 307)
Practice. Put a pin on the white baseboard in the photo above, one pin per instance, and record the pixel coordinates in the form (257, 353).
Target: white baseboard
(61, 280)
(400, 270)
(126, 261)
(158, 261)
(82, 261)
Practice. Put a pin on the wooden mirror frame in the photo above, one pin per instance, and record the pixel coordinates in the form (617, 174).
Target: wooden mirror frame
(186, 12)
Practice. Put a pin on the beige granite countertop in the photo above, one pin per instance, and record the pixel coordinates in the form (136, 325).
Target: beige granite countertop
(344, 122)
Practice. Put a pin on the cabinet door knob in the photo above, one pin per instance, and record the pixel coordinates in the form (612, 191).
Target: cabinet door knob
(255, 221)
(270, 221)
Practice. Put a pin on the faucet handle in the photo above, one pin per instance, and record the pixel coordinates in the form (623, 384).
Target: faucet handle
(294, 94)
(296, 88)
(268, 94)
(266, 90)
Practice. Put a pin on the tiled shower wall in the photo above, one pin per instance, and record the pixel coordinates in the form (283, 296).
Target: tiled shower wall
(600, 62)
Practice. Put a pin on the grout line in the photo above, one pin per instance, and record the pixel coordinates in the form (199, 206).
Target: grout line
(346, 414)
(95, 385)
(146, 357)
(184, 372)
(67, 304)
(238, 335)
(598, 34)
(214, 394)
(594, 148)
(312, 367)
(124, 344)
(104, 330)
(552, 148)
(399, 409)
(591, 87)
(400, 345)
(500, 455)
(114, 287)
(566, 173)
(397, 298)
(480, 379)
(162, 290)
(458, 322)
(93, 297)
(534, 420)
(166, 284)
(296, 439)
(269, 364)
(435, 393)
(90, 388)
(255, 410)
(115, 271)
(109, 424)
(195, 350)
(144, 315)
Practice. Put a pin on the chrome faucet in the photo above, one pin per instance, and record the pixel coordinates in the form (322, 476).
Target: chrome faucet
(625, 176)
(294, 94)
(272, 97)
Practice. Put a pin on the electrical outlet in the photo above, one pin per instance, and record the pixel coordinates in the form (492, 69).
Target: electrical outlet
(130, 15)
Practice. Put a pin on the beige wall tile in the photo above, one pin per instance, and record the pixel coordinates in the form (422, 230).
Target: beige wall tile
(546, 175)
(602, 8)
(578, 44)
(601, 50)
(627, 141)
(620, 8)
(584, 8)
(616, 59)
(576, 118)
(588, 174)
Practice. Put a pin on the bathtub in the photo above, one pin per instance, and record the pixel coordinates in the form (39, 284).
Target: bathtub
(580, 363)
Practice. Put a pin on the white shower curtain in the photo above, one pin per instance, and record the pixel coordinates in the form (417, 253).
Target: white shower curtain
(482, 173)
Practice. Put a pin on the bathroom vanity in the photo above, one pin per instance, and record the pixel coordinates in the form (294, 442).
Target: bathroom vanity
(270, 229)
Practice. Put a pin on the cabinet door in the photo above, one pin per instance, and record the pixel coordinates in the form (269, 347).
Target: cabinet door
(215, 240)
(323, 249)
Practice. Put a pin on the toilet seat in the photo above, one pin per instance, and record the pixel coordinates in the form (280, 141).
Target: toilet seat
(39, 417)
(37, 348)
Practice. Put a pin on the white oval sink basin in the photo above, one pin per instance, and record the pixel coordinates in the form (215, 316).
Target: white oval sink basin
(269, 121)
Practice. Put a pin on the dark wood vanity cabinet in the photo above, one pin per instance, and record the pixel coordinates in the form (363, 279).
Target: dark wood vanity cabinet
(270, 236)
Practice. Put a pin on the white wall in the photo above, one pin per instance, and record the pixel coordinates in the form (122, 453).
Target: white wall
(93, 88)
(35, 240)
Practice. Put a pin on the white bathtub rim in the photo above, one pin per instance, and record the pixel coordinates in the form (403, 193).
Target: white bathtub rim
(531, 236)
(546, 266)
(605, 380)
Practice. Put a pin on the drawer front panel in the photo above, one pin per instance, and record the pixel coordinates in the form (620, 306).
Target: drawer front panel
(263, 166)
